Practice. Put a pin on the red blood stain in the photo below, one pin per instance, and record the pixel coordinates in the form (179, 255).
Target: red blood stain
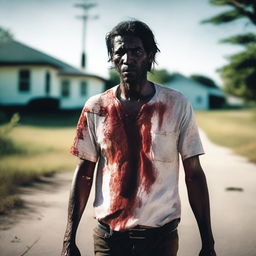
(161, 110)
(128, 153)
(129, 143)
(81, 125)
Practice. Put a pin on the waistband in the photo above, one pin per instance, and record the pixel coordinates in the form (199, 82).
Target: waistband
(142, 231)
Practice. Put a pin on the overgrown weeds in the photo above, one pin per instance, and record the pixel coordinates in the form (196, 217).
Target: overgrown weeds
(29, 152)
(7, 145)
(231, 128)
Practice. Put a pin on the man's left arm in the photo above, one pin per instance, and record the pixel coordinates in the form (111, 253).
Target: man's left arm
(199, 201)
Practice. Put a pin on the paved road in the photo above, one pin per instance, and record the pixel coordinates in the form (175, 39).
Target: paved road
(37, 230)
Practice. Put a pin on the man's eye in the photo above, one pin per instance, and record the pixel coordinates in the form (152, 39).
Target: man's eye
(139, 52)
(118, 53)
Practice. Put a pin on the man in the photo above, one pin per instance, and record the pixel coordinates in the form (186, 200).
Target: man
(135, 132)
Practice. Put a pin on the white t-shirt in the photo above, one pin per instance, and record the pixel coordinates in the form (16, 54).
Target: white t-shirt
(137, 160)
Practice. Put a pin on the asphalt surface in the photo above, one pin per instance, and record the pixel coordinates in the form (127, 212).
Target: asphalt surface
(37, 229)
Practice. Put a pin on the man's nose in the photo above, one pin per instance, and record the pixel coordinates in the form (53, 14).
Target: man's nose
(127, 58)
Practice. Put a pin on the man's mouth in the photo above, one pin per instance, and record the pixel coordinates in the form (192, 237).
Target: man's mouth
(128, 69)
(128, 73)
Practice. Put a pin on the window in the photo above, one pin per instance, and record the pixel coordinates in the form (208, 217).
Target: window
(65, 88)
(47, 83)
(83, 88)
(24, 80)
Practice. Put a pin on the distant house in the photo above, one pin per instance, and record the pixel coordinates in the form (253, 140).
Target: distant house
(202, 97)
(27, 74)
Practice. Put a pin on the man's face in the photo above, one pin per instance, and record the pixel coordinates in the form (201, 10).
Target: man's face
(130, 59)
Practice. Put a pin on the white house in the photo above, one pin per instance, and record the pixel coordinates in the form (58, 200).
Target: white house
(201, 96)
(27, 74)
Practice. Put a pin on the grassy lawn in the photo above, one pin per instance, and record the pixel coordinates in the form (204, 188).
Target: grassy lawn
(39, 145)
(235, 129)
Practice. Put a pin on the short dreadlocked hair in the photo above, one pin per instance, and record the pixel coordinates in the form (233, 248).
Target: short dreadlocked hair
(133, 28)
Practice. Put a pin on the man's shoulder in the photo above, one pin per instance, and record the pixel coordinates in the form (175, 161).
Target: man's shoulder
(96, 104)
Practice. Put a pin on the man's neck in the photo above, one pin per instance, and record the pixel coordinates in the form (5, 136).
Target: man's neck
(135, 92)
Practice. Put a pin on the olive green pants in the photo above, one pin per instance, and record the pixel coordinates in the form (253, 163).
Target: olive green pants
(138, 241)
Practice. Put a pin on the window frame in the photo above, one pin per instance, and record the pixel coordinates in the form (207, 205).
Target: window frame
(65, 92)
(24, 80)
(83, 88)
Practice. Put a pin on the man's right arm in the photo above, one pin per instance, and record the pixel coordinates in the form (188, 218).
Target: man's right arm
(80, 191)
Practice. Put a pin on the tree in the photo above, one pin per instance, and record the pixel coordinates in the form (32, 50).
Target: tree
(239, 9)
(239, 76)
(160, 76)
(5, 35)
(113, 79)
(204, 80)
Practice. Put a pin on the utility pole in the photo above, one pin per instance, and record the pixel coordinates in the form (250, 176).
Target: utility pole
(85, 17)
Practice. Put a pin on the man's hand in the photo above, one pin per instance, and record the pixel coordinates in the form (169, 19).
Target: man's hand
(70, 249)
(207, 252)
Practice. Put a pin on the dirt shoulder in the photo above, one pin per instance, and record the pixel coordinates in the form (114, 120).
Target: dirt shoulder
(38, 227)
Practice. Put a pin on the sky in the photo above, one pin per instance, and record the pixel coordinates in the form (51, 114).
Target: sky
(187, 46)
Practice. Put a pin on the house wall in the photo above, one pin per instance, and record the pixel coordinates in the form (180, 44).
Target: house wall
(196, 94)
(9, 84)
(75, 99)
(10, 94)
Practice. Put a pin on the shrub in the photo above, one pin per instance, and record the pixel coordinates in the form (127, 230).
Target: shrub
(7, 146)
(43, 104)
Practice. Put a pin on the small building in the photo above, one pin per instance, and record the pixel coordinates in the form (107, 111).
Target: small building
(27, 74)
(202, 97)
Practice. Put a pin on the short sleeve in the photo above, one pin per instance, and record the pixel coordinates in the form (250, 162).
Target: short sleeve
(189, 143)
(84, 145)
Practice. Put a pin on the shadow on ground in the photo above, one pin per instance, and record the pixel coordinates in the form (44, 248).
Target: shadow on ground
(34, 196)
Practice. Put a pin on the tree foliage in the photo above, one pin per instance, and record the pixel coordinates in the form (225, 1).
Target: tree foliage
(245, 39)
(239, 75)
(5, 35)
(238, 9)
(113, 79)
(160, 76)
(224, 17)
(204, 80)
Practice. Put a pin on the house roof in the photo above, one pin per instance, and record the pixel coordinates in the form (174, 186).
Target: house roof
(178, 75)
(15, 53)
(189, 81)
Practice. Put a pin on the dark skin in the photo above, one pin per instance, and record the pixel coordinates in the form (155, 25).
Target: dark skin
(80, 191)
(199, 201)
(132, 62)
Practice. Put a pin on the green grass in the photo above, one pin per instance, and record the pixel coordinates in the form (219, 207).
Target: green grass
(235, 129)
(38, 146)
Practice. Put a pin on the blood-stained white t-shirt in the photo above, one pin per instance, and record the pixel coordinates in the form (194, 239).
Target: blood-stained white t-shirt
(137, 159)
